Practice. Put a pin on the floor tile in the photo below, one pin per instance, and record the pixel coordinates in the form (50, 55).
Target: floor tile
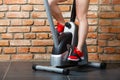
(23, 71)
(3, 68)
(110, 73)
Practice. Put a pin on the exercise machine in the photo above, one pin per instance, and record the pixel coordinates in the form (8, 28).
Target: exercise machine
(63, 46)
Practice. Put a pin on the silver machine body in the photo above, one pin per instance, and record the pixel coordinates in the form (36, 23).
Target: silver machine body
(61, 59)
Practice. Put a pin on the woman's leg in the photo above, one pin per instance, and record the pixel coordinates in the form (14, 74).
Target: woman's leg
(55, 10)
(81, 11)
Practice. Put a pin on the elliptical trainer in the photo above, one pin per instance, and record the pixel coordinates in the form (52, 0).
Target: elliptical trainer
(63, 46)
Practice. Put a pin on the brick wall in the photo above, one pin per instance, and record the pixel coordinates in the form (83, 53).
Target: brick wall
(109, 30)
(25, 32)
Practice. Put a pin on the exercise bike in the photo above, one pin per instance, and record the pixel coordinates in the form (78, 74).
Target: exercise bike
(63, 46)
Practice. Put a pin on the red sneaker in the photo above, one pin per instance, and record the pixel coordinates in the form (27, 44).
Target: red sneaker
(76, 55)
(60, 28)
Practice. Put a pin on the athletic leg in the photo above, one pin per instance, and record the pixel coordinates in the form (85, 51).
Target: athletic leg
(81, 12)
(55, 10)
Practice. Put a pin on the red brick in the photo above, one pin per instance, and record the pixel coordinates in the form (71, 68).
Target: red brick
(15, 1)
(9, 50)
(20, 43)
(42, 42)
(42, 35)
(14, 8)
(92, 35)
(92, 21)
(92, 15)
(6, 36)
(41, 29)
(92, 49)
(66, 14)
(27, 22)
(104, 22)
(115, 30)
(22, 49)
(3, 29)
(94, 1)
(106, 8)
(4, 43)
(4, 22)
(37, 50)
(91, 41)
(18, 36)
(49, 50)
(118, 50)
(41, 57)
(117, 8)
(92, 28)
(109, 15)
(108, 57)
(116, 22)
(50, 35)
(93, 57)
(109, 50)
(17, 15)
(16, 22)
(104, 36)
(105, 1)
(39, 15)
(0, 1)
(29, 36)
(19, 29)
(102, 43)
(110, 29)
(4, 57)
(27, 8)
(118, 36)
(2, 15)
(67, 2)
(21, 57)
(35, 2)
(39, 8)
(93, 8)
(55, 22)
(116, 1)
(114, 43)
(100, 49)
(64, 8)
(39, 22)
(0, 50)
(104, 29)
(4, 8)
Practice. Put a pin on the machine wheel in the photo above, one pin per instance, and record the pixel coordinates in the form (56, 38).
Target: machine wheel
(103, 65)
(34, 67)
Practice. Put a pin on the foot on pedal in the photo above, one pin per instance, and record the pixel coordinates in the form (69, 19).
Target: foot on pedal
(76, 55)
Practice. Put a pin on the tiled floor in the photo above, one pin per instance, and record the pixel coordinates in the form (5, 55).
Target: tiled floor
(23, 71)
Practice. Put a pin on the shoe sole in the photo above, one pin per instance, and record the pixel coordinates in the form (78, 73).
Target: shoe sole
(73, 59)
